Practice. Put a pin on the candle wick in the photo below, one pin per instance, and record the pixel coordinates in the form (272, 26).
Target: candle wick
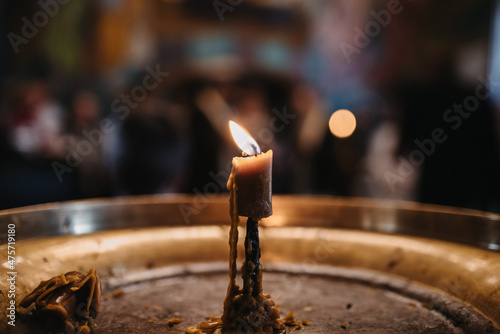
(255, 149)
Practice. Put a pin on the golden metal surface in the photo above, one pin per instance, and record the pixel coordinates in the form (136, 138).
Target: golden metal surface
(476, 228)
(424, 245)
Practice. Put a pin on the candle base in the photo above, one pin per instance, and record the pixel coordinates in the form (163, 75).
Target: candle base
(250, 311)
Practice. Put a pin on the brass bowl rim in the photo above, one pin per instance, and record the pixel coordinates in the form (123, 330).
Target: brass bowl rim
(186, 198)
(464, 226)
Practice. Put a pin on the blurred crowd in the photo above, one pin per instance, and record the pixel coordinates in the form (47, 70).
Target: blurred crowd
(131, 127)
(72, 145)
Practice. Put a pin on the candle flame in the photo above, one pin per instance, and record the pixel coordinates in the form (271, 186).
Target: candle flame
(243, 139)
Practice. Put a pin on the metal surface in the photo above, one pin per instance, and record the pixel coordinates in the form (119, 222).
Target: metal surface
(149, 238)
(465, 226)
(327, 302)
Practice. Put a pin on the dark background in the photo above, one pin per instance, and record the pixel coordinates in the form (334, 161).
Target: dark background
(251, 61)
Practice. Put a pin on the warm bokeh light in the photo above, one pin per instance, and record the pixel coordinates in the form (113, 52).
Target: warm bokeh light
(342, 123)
(244, 140)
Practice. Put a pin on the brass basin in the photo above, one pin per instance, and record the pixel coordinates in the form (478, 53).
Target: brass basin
(454, 252)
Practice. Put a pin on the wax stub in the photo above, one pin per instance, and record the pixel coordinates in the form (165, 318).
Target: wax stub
(253, 178)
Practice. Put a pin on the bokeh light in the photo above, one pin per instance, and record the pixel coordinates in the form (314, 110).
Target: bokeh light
(342, 123)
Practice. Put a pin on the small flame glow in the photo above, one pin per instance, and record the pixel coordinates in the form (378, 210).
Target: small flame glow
(243, 139)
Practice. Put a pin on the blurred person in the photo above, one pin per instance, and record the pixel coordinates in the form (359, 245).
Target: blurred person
(322, 163)
(242, 100)
(251, 111)
(150, 151)
(336, 66)
(437, 146)
(261, 106)
(461, 164)
(247, 101)
(204, 111)
(310, 131)
(32, 140)
(35, 121)
(83, 120)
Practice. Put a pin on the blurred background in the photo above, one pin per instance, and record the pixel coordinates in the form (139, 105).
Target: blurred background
(124, 97)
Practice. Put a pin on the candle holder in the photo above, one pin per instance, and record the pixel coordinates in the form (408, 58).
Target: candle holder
(247, 310)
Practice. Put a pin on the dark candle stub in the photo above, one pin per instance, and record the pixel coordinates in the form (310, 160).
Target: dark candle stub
(247, 309)
(253, 180)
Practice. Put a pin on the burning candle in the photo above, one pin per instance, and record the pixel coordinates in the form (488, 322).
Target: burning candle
(247, 310)
(251, 177)
(250, 186)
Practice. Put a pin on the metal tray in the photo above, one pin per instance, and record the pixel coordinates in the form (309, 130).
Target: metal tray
(356, 265)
